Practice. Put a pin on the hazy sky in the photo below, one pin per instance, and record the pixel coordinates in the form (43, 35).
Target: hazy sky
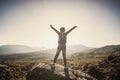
(27, 22)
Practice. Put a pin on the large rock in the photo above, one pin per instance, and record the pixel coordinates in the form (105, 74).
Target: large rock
(44, 71)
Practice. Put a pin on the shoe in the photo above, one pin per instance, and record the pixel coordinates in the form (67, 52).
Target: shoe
(52, 68)
(66, 71)
(53, 65)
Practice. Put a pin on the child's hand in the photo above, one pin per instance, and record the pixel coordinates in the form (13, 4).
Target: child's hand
(75, 26)
(51, 26)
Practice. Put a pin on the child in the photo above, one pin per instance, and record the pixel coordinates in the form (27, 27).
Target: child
(62, 43)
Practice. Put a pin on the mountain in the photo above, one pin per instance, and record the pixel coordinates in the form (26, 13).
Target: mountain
(77, 48)
(16, 52)
(13, 49)
(27, 56)
(97, 52)
(71, 49)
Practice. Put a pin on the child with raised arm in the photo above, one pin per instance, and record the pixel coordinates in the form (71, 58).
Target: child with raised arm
(62, 43)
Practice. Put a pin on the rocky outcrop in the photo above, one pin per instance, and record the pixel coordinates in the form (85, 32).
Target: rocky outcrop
(44, 71)
(107, 69)
(12, 71)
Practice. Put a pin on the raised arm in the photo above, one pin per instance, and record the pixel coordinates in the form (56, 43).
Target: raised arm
(54, 29)
(71, 29)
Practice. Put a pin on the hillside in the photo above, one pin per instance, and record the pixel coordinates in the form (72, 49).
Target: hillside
(71, 49)
(77, 48)
(18, 52)
(99, 52)
(14, 49)
(108, 68)
(26, 56)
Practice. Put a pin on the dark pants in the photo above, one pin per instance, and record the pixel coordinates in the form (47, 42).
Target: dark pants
(61, 47)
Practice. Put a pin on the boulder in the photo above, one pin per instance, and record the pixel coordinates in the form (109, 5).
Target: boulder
(44, 71)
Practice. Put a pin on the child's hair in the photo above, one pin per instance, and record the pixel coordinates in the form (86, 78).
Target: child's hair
(62, 29)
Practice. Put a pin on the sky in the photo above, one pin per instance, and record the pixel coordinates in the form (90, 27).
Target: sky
(27, 22)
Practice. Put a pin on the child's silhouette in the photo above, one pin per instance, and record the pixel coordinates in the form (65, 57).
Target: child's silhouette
(62, 43)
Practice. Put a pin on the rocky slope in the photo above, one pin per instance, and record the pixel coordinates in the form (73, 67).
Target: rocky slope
(107, 69)
(98, 52)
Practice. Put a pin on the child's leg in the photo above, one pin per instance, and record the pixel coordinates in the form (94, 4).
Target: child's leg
(64, 55)
(57, 54)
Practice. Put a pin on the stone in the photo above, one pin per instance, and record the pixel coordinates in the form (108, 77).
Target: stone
(44, 71)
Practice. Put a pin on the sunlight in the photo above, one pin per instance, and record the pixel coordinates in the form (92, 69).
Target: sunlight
(29, 24)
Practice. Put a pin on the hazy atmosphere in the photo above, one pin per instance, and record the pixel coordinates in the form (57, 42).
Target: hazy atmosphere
(27, 22)
(32, 48)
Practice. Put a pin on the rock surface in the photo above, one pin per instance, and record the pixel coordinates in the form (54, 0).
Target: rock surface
(3, 66)
(44, 71)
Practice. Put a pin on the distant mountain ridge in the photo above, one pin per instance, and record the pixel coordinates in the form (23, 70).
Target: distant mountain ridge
(77, 48)
(16, 52)
(70, 49)
(102, 51)
(13, 49)
(76, 51)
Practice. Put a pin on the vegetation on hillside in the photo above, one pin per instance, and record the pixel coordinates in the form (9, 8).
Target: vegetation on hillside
(101, 67)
